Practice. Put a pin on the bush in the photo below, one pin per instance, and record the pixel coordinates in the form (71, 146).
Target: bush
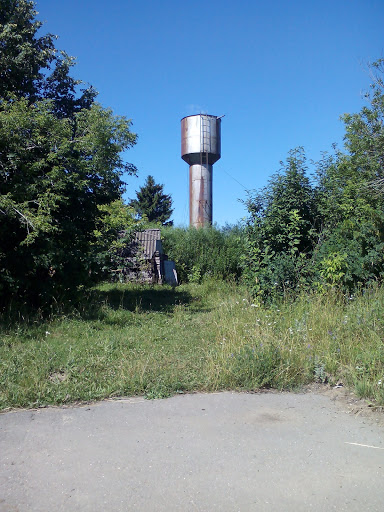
(204, 252)
(281, 232)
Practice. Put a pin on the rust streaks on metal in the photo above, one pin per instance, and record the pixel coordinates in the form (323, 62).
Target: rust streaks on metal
(200, 148)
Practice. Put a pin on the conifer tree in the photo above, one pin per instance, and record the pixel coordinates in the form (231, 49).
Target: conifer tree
(152, 203)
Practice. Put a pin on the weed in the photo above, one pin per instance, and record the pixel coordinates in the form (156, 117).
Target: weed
(319, 371)
(127, 339)
(256, 367)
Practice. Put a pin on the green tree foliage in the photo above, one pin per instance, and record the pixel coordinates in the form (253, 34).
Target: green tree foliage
(24, 56)
(364, 138)
(115, 227)
(204, 252)
(326, 233)
(151, 203)
(60, 161)
(351, 195)
(352, 222)
(281, 231)
(30, 65)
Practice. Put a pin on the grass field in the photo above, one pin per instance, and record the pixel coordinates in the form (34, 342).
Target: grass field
(156, 341)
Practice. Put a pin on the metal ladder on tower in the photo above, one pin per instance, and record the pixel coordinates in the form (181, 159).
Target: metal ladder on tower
(205, 135)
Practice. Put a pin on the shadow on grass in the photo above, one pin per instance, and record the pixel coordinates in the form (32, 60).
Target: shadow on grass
(142, 299)
(92, 304)
(152, 299)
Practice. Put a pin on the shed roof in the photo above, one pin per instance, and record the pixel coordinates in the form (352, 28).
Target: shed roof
(150, 241)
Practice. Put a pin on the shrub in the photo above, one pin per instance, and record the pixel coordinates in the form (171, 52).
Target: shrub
(204, 252)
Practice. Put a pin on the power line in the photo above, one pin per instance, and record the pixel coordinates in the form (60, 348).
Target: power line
(234, 179)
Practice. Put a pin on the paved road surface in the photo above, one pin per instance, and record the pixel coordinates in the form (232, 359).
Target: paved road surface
(203, 452)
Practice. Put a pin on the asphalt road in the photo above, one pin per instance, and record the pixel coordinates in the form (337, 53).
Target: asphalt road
(203, 452)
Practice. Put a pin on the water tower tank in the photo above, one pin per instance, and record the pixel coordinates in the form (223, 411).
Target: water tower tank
(200, 148)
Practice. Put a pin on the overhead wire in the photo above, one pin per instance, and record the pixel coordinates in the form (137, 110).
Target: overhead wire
(234, 179)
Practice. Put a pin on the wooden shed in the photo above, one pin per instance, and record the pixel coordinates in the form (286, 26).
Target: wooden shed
(145, 261)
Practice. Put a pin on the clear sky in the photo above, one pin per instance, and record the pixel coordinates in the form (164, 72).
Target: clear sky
(281, 71)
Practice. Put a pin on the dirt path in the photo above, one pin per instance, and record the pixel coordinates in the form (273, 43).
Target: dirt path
(202, 452)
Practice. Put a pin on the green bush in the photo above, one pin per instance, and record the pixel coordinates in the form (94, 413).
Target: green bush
(281, 232)
(204, 252)
(323, 233)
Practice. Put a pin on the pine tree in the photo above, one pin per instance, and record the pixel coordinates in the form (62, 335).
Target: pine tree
(152, 203)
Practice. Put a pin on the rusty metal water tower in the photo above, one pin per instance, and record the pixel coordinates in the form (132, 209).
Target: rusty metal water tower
(200, 148)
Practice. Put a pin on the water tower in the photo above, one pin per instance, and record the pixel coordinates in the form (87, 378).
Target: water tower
(200, 148)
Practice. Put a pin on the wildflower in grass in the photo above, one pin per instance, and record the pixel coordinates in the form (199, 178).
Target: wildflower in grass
(379, 383)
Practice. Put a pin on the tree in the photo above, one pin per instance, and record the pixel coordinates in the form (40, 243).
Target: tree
(60, 160)
(152, 203)
(329, 233)
(350, 195)
(24, 56)
(30, 65)
(281, 231)
(364, 138)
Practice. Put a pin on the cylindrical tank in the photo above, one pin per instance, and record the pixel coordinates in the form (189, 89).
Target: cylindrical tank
(200, 148)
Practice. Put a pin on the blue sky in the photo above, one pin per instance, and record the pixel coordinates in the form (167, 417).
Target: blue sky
(282, 72)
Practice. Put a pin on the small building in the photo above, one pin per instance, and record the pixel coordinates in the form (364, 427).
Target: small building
(144, 260)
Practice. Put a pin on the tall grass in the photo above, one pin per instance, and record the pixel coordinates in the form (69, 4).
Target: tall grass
(205, 252)
(156, 341)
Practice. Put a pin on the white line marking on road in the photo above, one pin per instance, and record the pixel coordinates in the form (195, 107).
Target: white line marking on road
(366, 445)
